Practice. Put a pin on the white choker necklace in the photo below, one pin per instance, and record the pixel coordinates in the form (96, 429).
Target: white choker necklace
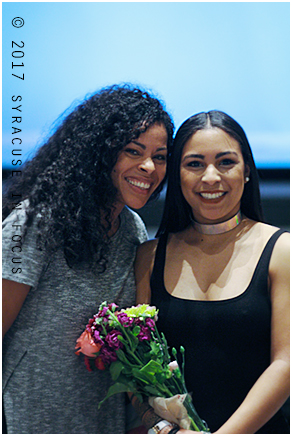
(217, 229)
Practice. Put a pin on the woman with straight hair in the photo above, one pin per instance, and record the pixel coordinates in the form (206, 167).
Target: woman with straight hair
(219, 276)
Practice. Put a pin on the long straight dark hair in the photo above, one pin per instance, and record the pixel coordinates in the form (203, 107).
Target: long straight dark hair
(177, 212)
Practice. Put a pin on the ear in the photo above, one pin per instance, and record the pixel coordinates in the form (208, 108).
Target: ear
(246, 173)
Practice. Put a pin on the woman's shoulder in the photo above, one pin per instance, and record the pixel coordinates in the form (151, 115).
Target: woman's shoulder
(131, 217)
(148, 248)
(17, 215)
(146, 254)
(281, 251)
(133, 223)
(268, 230)
(263, 232)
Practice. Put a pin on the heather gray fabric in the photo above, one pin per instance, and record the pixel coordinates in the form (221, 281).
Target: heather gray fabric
(46, 387)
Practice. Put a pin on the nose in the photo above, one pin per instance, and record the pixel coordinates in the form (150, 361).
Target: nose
(211, 175)
(147, 165)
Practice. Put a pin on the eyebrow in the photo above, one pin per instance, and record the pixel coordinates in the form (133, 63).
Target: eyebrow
(144, 146)
(201, 156)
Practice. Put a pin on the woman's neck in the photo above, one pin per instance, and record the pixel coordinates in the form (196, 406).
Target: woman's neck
(218, 228)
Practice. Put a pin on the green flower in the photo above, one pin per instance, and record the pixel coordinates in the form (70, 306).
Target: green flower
(142, 310)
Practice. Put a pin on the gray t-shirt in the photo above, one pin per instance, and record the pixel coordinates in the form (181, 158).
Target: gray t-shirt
(46, 387)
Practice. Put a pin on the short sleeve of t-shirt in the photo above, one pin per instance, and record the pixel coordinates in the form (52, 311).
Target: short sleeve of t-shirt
(22, 263)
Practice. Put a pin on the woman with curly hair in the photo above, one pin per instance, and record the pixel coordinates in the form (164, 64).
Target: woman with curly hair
(69, 245)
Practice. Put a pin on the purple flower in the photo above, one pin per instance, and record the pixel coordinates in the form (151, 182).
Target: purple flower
(149, 322)
(108, 356)
(97, 338)
(112, 339)
(125, 320)
(144, 334)
(102, 312)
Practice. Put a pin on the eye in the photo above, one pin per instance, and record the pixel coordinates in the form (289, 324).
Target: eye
(160, 157)
(195, 164)
(132, 151)
(227, 162)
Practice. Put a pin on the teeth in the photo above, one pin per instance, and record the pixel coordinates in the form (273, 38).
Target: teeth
(139, 184)
(210, 196)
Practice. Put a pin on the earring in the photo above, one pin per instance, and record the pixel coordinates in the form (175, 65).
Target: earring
(247, 179)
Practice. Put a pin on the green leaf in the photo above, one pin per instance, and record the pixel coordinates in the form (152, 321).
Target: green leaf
(151, 390)
(123, 340)
(127, 380)
(147, 374)
(144, 377)
(127, 370)
(147, 356)
(152, 367)
(135, 341)
(155, 349)
(136, 330)
(121, 356)
(115, 369)
(115, 389)
(161, 377)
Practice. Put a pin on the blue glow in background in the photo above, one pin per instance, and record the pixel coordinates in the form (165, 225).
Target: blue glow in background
(195, 56)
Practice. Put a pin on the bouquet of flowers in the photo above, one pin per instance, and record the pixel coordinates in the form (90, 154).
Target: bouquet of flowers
(129, 345)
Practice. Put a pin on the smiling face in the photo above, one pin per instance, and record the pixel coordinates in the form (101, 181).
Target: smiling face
(141, 167)
(212, 175)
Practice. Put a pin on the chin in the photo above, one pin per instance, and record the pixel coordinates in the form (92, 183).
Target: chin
(137, 205)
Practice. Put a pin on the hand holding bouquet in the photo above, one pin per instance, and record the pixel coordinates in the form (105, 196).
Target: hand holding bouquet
(128, 344)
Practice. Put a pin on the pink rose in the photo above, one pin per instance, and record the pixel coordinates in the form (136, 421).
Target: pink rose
(86, 345)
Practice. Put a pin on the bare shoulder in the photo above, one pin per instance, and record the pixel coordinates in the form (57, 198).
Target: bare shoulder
(147, 250)
(283, 242)
(143, 269)
(280, 259)
(149, 245)
(259, 234)
(265, 231)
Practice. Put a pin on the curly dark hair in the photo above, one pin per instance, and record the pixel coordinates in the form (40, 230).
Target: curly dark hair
(69, 180)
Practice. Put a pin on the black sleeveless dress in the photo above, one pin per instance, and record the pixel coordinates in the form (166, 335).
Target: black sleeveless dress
(227, 342)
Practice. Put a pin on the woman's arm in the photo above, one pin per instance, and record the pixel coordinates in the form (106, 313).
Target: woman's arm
(272, 388)
(13, 296)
